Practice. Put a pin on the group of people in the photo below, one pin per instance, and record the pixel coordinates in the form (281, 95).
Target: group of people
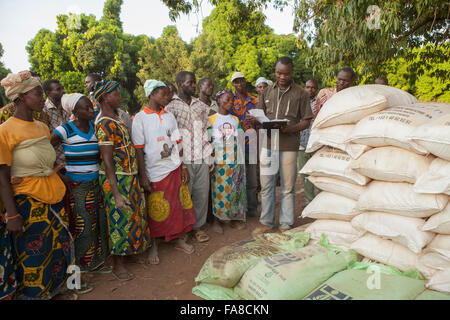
(81, 180)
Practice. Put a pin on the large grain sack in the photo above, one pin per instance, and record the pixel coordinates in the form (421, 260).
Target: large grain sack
(392, 164)
(329, 162)
(440, 281)
(400, 198)
(292, 275)
(226, 266)
(335, 137)
(327, 205)
(402, 230)
(436, 179)
(434, 136)
(209, 291)
(437, 254)
(393, 126)
(390, 253)
(433, 295)
(352, 104)
(339, 233)
(338, 186)
(439, 222)
(359, 285)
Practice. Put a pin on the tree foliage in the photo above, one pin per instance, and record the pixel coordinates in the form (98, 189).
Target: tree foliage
(83, 45)
(349, 33)
(3, 73)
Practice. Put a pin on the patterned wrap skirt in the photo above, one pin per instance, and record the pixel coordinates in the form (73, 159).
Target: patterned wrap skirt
(228, 190)
(170, 209)
(89, 227)
(7, 268)
(44, 251)
(129, 232)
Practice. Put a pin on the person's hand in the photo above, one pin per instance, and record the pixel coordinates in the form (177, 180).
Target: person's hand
(252, 119)
(15, 226)
(145, 184)
(289, 128)
(184, 175)
(211, 168)
(122, 202)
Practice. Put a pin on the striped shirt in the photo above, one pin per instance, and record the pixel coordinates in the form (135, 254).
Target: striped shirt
(81, 152)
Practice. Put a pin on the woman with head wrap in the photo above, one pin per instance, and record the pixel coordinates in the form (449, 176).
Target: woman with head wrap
(228, 183)
(32, 194)
(87, 215)
(129, 232)
(161, 173)
(261, 84)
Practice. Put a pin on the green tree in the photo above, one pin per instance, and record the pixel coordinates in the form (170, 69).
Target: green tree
(162, 59)
(348, 33)
(83, 45)
(3, 73)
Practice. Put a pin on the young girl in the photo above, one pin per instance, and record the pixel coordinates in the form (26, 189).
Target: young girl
(82, 156)
(127, 221)
(161, 173)
(228, 179)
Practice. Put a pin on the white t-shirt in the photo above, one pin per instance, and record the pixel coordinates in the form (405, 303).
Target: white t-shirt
(158, 135)
(223, 127)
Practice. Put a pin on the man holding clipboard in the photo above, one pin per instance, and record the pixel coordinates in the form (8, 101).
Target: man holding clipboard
(281, 101)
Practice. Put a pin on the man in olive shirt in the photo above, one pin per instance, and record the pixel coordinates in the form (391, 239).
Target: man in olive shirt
(282, 100)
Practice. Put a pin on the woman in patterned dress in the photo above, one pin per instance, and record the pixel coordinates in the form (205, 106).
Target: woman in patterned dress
(228, 180)
(129, 231)
(32, 194)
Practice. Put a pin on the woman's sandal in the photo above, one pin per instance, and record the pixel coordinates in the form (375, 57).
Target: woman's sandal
(102, 270)
(85, 288)
(117, 276)
(185, 250)
(201, 236)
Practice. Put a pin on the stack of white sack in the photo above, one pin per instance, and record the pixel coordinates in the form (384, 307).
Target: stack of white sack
(405, 205)
(329, 169)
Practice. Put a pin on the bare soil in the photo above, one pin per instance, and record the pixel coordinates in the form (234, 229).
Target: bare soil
(173, 278)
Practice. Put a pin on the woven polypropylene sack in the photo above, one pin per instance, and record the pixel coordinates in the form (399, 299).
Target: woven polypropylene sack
(338, 186)
(327, 205)
(436, 179)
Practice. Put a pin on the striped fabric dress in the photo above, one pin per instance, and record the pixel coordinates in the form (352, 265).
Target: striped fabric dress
(87, 217)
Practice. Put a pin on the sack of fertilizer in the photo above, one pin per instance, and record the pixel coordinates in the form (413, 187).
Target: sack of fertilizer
(434, 136)
(390, 253)
(226, 266)
(369, 281)
(394, 126)
(392, 164)
(436, 179)
(400, 198)
(437, 254)
(292, 275)
(342, 208)
(333, 163)
(352, 104)
(209, 291)
(339, 233)
(406, 231)
(439, 222)
(338, 186)
(440, 281)
(433, 295)
(335, 137)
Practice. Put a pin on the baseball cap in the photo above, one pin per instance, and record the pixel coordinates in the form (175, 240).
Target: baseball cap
(236, 75)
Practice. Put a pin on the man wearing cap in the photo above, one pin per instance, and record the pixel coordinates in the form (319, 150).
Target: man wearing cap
(243, 102)
(282, 100)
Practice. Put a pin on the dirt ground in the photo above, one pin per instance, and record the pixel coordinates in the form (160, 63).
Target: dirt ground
(173, 278)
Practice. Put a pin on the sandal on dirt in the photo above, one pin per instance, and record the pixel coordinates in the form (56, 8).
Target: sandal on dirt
(201, 236)
(102, 270)
(117, 276)
(85, 288)
(185, 250)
